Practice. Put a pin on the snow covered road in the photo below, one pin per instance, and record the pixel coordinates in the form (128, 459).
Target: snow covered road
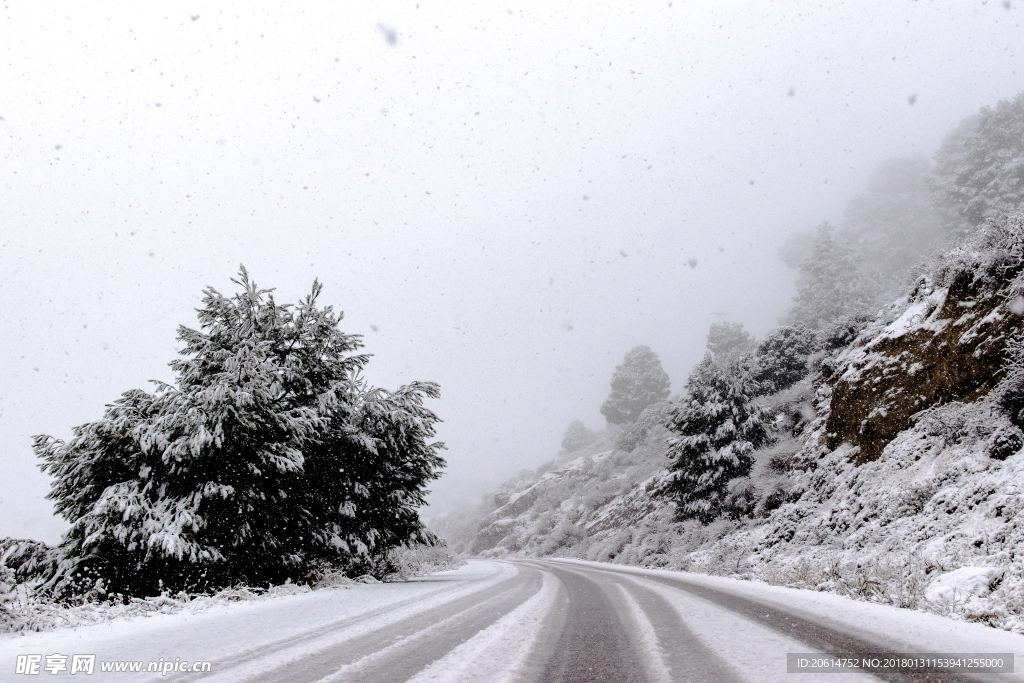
(546, 620)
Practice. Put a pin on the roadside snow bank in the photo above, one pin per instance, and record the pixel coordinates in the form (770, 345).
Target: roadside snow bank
(962, 583)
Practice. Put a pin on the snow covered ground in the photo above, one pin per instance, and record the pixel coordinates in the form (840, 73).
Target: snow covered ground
(521, 620)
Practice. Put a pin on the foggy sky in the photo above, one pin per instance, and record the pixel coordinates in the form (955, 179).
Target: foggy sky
(503, 199)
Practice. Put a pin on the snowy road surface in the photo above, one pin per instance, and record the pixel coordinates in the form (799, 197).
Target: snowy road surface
(543, 620)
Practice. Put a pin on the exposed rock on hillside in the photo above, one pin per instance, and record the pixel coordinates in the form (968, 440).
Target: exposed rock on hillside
(948, 342)
(947, 345)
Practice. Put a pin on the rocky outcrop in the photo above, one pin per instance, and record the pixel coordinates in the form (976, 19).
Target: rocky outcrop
(947, 345)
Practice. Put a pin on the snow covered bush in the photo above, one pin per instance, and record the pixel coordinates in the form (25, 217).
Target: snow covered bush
(8, 598)
(29, 559)
(1010, 392)
(419, 559)
(741, 498)
(269, 455)
(992, 256)
(716, 428)
(637, 382)
(840, 333)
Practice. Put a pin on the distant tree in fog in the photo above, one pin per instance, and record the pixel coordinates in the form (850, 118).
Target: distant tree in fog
(649, 422)
(830, 286)
(729, 341)
(637, 383)
(894, 224)
(577, 436)
(979, 171)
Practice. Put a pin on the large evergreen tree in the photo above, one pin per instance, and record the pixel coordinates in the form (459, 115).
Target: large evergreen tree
(716, 427)
(637, 383)
(266, 459)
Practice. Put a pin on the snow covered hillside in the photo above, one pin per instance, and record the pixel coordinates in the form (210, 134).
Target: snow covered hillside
(896, 473)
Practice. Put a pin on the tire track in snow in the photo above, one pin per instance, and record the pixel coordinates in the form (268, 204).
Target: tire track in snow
(671, 650)
(402, 652)
(250, 662)
(647, 638)
(684, 655)
(730, 648)
(501, 652)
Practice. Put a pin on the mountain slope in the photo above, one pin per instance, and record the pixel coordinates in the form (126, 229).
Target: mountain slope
(897, 474)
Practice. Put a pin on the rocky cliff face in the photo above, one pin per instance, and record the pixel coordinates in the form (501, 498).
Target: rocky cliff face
(948, 344)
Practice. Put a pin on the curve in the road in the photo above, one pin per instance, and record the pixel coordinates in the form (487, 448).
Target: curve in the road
(817, 635)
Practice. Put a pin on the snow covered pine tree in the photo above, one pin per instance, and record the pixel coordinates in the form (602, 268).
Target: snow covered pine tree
(269, 459)
(637, 383)
(717, 428)
(781, 358)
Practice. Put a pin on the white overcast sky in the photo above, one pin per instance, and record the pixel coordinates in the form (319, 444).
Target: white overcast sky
(504, 200)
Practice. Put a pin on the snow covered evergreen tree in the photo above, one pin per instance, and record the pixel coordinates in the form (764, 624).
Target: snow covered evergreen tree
(830, 286)
(267, 458)
(716, 428)
(637, 383)
(979, 171)
(781, 358)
